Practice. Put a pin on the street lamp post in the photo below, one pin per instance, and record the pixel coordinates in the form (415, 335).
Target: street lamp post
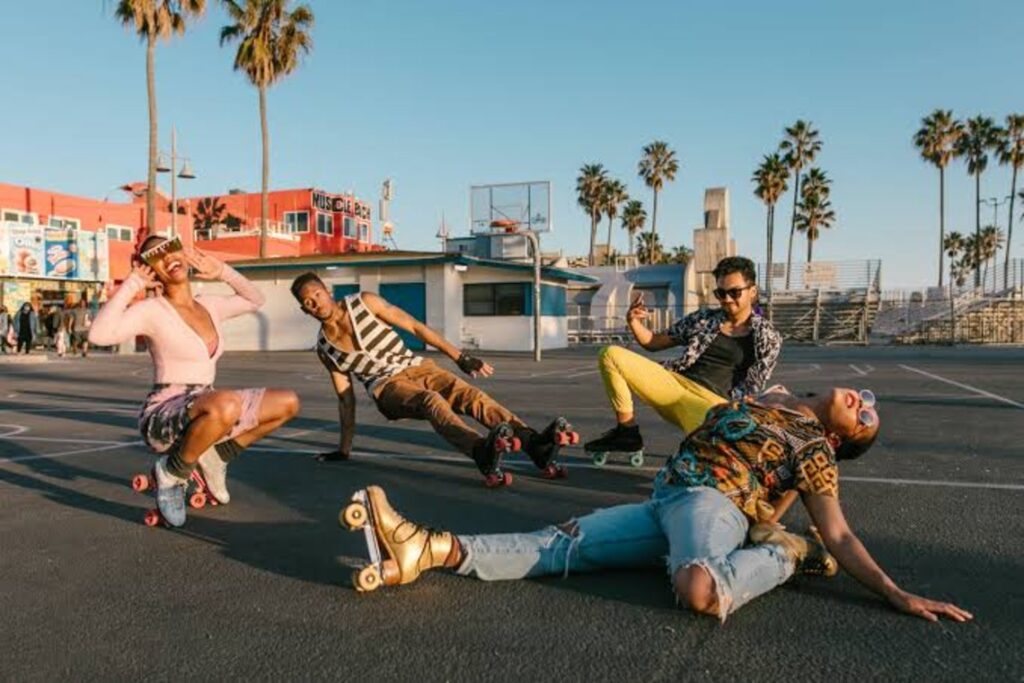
(186, 173)
(995, 203)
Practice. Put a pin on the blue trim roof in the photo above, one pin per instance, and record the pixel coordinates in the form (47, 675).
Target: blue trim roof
(406, 259)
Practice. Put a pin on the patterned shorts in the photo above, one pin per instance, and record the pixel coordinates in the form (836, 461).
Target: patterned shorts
(164, 417)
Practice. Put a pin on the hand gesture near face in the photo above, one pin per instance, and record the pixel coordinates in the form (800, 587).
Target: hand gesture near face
(637, 311)
(204, 266)
(146, 273)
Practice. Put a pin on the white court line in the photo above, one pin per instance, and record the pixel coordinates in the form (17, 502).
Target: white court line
(8, 437)
(591, 466)
(934, 482)
(16, 429)
(860, 372)
(62, 409)
(77, 451)
(592, 371)
(968, 387)
(559, 372)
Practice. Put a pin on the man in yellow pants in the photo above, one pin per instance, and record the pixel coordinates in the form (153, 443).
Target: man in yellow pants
(729, 352)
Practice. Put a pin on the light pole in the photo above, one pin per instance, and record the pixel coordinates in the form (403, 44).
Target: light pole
(186, 173)
(995, 203)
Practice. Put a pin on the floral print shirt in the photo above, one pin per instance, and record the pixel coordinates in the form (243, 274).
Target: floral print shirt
(697, 331)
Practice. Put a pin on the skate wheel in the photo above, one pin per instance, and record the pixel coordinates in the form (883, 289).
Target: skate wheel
(140, 483)
(366, 579)
(493, 481)
(501, 444)
(197, 500)
(516, 444)
(637, 459)
(506, 479)
(151, 518)
(353, 517)
(574, 438)
(599, 459)
(555, 472)
(563, 439)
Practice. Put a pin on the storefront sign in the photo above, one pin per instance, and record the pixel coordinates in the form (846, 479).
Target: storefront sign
(26, 250)
(40, 252)
(61, 253)
(330, 203)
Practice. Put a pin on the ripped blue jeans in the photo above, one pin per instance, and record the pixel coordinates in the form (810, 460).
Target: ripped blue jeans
(684, 527)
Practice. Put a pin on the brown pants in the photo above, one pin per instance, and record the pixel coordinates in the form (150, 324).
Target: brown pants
(426, 392)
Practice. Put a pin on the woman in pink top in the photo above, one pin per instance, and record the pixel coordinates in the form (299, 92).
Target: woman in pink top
(184, 418)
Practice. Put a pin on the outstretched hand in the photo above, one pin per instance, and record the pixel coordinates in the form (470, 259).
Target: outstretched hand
(204, 266)
(474, 367)
(146, 273)
(928, 609)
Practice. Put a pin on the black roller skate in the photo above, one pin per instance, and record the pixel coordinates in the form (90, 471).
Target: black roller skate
(544, 447)
(621, 439)
(488, 452)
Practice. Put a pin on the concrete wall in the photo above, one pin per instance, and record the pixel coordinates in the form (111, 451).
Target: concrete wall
(281, 326)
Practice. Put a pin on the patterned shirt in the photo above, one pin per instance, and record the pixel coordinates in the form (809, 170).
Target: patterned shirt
(753, 452)
(697, 331)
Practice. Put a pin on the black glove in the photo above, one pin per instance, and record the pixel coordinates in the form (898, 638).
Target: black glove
(468, 364)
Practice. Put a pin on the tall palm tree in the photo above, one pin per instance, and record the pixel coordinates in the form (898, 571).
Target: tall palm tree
(958, 250)
(155, 20)
(614, 196)
(271, 38)
(771, 180)
(937, 141)
(633, 218)
(590, 196)
(648, 247)
(658, 164)
(1011, 152)
(992, 240)
(800, 145)
(814, 212)
(980, 136)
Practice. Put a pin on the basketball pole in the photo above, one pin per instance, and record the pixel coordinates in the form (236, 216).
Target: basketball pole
(535, 245)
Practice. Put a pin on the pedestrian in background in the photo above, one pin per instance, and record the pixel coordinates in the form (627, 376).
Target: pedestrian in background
(80, 321)
(26, 327)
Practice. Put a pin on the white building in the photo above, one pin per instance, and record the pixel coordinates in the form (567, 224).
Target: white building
(473, 302)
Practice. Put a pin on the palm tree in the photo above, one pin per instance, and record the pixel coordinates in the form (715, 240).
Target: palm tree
(155, 20)
(814, 212)
(271, 37)
(800, 145)
(937, 140)
(648, 247)
(992, 240)
(681, 254)
(590, 196)
(958, 250)
(614, 196)
(633, 219)
(980, 136)
(771, 180)
(1011, 151)
(657, 165)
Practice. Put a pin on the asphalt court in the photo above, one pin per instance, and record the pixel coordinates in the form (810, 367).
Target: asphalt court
(259, 588)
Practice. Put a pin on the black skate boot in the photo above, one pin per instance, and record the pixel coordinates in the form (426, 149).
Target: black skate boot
(488, 452)
(544, 447)
(621, 439)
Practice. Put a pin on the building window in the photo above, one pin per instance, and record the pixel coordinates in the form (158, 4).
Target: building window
(15, 216)
(296, 221)
(324, 224)
(494, 299)
(65, 223)
(364, 232)
(120, 233)
(350, 228)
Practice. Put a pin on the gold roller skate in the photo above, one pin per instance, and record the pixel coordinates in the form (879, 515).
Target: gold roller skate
(809, 554)
(409, 549)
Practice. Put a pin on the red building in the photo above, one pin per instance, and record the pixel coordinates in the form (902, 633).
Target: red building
(301, 222)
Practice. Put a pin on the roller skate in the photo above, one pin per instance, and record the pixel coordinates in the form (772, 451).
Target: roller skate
(808, 554)
(399, 550)
(488, 452)
(621, 439)
(544, 447)
(169, 511)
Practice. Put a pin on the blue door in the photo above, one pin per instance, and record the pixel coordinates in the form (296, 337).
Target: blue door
(411, 297)
(341, 291)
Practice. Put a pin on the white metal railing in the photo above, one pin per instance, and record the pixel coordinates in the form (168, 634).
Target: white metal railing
(275, 230)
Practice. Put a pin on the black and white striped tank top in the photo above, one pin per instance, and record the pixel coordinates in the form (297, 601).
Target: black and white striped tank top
(381, 354)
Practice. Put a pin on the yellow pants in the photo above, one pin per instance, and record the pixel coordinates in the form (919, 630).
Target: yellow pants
(677, 399)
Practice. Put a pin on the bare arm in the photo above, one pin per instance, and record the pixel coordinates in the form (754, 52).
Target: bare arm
(636, 319)
(393, 315)
(782, 505)
(852, 556)
(346, 412)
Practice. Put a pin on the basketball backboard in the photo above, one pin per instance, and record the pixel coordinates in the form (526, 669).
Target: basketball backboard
(510, 207)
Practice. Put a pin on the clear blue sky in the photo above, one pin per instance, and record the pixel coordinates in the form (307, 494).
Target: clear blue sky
(441, 95)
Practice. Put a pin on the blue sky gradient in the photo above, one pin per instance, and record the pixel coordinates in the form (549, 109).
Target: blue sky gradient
(442, 95)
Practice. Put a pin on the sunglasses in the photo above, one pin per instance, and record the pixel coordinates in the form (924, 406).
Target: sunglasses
(151, 256)
(867, 417)
(733, 293)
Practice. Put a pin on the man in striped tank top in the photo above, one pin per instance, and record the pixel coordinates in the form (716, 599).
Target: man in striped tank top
(358, 342)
